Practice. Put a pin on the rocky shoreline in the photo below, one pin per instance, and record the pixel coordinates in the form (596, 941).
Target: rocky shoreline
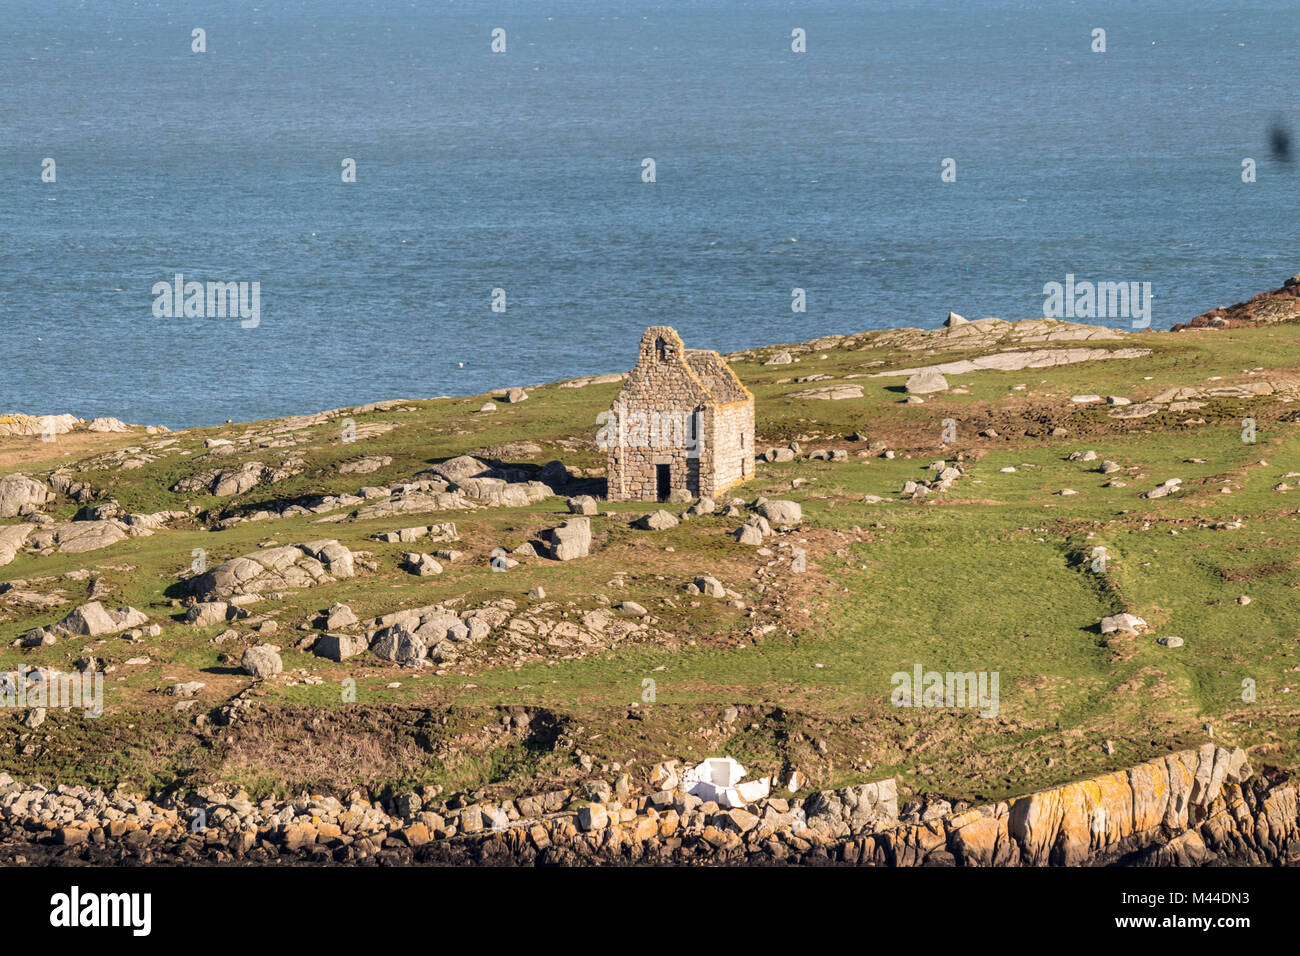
(1201, 807)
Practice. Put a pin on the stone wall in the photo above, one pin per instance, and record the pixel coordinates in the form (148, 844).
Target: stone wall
(733, 444)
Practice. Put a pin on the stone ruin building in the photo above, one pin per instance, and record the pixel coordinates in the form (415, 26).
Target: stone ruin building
(682, 422)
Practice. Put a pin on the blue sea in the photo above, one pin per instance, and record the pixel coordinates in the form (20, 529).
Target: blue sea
(523, 171)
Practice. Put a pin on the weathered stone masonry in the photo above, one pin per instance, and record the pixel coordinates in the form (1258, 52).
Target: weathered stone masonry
(683, 410)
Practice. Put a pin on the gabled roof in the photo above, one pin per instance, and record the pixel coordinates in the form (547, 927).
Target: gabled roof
(703, 370)
(717, 376)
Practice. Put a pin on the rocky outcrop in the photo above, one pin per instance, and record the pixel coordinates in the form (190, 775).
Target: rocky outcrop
(33, 425)
(434, 633)
(984, 334)
(411, 640)
(273, 569)
(19, 425)
(12, 539)
(1192, 808)
(1267, 308)
(477, 484)
(401, 645)
(78, 537)
(831, 393)
(444, 531)
(93, 619)
(865, 808)
(444, 636)
(1015, 361)
(466, 493)
(500, 493)
(20, 495)
(237, 479)
(416, 502)
(365, 465)
(594, 380)
(88, 620)
(1187, 808)
(461, 468)
(987, 333)
(1190, 397)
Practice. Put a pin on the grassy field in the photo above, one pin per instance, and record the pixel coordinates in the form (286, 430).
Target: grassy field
(995, 575)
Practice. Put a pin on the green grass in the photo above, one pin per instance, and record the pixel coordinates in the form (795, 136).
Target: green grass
(994, 575)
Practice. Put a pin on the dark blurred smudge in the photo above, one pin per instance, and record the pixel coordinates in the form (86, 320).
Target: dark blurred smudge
(1279, 140)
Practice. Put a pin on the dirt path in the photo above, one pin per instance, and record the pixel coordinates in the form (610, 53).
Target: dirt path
(30, 450)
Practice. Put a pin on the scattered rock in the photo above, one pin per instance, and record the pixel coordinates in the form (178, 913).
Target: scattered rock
(782, 514)
(570, 540)
(1117, 623)
(710, 586)
(207, 613)
(1167, 487)
(261, 661)
(338, 647)
(657, 521)
(339, 616)
(925, 381)
(421, 564)
(583, 505)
